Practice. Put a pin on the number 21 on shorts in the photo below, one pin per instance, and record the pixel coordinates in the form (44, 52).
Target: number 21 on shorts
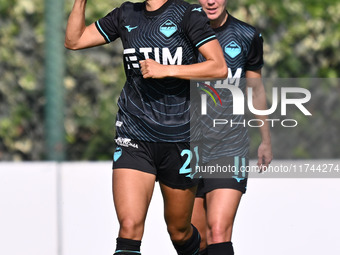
(186, 168)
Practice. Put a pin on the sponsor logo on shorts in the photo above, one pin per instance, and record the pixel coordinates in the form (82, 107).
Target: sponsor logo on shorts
(125, 142)
(117, 154)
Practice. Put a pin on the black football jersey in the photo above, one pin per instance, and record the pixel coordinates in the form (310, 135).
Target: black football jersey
(156, 110)
(243, 50)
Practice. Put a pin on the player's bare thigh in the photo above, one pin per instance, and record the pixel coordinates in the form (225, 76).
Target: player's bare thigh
(132, 192)
(222, 205)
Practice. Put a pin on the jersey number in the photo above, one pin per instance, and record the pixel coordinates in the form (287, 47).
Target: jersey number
(186, 169)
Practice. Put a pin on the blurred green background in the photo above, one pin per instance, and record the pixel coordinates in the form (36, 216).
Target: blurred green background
(301, 39)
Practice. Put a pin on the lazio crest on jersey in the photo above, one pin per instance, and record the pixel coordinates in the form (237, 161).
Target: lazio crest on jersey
(168, 28)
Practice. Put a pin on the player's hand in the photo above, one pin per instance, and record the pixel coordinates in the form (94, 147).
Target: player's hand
(265, 156)
(152, 69)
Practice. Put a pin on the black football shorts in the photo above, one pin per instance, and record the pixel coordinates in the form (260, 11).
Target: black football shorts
(223, 173)
(170, 162)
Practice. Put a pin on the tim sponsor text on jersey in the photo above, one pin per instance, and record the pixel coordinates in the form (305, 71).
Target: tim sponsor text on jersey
(167, 58)
(232, 84)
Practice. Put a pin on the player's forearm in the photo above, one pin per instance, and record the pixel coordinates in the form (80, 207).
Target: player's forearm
(265, 132)
(259, 103)
(214, 66)
(204, 70)
(76, 24)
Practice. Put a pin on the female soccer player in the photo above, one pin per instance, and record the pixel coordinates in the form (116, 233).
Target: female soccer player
(218, 198)
(161, 40)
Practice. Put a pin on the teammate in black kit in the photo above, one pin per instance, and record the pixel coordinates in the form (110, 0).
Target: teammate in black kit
(218, 198)
(161, 40)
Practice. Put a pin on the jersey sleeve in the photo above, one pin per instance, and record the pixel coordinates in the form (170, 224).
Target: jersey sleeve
(108, 25)
(255, 55)
(196, 25)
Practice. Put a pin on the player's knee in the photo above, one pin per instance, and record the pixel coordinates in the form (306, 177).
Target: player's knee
(131, 228)
(179, 234)
(188, 246)
(220, 233)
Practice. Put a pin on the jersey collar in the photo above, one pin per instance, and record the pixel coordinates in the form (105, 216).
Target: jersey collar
(159, 10)
(225, 25)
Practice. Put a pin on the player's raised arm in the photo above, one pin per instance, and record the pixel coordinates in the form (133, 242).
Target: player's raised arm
(78, 35)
